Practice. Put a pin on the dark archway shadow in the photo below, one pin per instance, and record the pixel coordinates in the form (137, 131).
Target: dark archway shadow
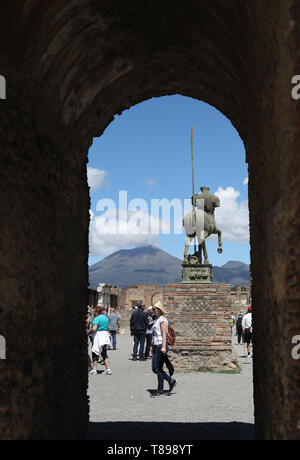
(149, 431)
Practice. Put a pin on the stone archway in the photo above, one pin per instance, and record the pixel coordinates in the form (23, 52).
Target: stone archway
(69, 67)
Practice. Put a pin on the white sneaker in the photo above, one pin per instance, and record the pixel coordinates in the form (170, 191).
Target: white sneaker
(93, 372)
(108, 372)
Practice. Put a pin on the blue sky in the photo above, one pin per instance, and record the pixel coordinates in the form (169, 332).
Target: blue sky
(147, 152)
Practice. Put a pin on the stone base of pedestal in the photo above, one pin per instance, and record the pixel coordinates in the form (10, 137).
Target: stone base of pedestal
(201, 318)
(201, 359)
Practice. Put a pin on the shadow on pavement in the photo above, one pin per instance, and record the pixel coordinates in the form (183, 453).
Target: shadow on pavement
(156, 393)
(119, 431)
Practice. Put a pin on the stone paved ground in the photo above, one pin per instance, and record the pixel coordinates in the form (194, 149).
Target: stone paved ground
(201, 406)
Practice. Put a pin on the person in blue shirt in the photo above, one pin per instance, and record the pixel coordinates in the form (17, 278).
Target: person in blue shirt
(101, 341)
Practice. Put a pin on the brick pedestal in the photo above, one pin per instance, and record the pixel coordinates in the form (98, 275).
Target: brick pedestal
(201, 318)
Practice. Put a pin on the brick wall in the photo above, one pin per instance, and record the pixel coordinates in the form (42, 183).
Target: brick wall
(201, 318)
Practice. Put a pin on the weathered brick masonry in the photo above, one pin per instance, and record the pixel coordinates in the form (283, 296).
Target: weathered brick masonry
(43, 381)
(201, 318)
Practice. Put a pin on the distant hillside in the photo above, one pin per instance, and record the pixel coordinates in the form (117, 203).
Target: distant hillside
(145, 265)
(234, 273)
(151, 265)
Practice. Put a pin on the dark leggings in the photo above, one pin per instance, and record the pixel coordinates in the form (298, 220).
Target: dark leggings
(239, 335)
(104, 355)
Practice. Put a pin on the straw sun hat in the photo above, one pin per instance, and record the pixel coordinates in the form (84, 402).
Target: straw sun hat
(160, 306)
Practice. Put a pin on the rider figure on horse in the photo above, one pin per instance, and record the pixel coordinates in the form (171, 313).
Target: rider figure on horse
(210, 202)
(207, 203)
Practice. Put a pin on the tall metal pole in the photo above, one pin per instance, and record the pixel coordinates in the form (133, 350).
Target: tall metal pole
(192, 147)
(193, 172)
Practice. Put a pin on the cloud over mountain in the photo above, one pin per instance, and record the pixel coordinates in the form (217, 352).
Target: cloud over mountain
(232, 217)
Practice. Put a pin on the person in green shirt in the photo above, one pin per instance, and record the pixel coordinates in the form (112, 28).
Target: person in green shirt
(99, 330)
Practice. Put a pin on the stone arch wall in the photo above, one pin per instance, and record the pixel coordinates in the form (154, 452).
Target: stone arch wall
(69, 67)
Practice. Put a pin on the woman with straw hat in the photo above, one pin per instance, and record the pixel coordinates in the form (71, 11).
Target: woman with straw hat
(160, 331)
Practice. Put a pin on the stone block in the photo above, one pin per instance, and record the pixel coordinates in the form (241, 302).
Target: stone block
(200, 314)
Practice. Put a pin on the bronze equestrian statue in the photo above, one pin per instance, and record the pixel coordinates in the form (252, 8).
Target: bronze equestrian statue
(200, 223)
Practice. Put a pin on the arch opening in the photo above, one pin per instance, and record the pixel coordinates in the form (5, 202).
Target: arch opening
(133, 148)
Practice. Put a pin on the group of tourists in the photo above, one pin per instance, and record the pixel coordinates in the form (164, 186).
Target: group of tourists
(151, 333)
(152, 336)
(244, 328)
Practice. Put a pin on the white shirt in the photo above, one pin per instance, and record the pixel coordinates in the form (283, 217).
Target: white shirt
(101, 338)
(247, 322)
(157, 335)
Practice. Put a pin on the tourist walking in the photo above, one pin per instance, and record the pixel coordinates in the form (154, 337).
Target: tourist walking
(138, 327)
(160, 349)
(101, 340)
(103, 308)
(232, 321)
(248, 330)
(88, 328)
(239, 327)
(88, 325)
(149, 333)
(114, 327)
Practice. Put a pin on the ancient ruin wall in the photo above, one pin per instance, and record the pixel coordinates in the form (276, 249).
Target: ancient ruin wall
(43, 253)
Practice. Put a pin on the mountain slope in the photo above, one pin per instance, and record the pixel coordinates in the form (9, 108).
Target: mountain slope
(234, 273)
(151, 265)
(145, 265)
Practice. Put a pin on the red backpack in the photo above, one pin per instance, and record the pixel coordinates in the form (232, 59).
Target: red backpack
(171, 337)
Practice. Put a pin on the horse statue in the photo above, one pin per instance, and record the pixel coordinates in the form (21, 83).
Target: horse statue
(200, 223)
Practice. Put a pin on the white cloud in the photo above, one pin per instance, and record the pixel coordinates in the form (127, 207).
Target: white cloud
(115, 229)
(232, 217)
(246, 181)
(95, 177)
